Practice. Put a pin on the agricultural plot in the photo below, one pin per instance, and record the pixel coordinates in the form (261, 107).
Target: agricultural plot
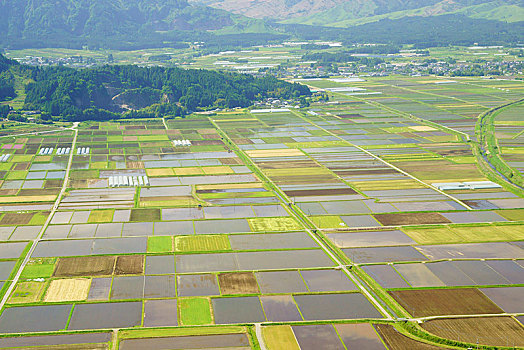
(495, 331)
(429, 302)
(257, 219)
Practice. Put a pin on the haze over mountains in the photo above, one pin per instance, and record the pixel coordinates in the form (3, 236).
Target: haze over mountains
(154, 23)
(28, 22)
(344, 12)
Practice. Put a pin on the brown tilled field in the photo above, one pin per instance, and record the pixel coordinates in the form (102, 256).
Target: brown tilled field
(304, 179)
(53, 183)
(16, 218)
(433, 302)
(21, 166)
(397, 341)
(9, 192)
(135, 165)
(326, 192)
(238, 283)
(207, 143)
(85, 266)
(287, 165)
(351, 116)
(495, 331)
(398, 219)
(129, 265)
(38, 191)
(141, 214)
(242, 141)
(365, 172)
(230, 161)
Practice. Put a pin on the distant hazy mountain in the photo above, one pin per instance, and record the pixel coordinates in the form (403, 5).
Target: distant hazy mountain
(350, 12)
(136, 24)
(97, 22)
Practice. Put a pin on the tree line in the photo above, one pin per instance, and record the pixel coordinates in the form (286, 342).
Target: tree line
(84, 94)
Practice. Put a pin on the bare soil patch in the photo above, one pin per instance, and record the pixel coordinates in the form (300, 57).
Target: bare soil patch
(85, 266)
(433, 302)
(350, 116)
(365, 172)
(21, 166)
(326, 192)
(399, 219)
(38, 192)
(141, 214)
(207, 142)
(286, 165)
(397, 341)
(495, 331)
(9, 192)
(453, 152)
(129, 265)
(135, 165)
(53, 183)
(242, 141)
(16, 218)
(230, 161)
(238, 283)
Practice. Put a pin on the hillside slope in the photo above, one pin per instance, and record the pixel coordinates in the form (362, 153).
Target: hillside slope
(346, 14)
(286, 9)
(74, 23)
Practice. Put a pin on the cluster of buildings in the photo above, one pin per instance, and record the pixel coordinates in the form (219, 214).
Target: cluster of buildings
(71, 61)
(46, 151)
(128, 181)
(4, 158)
(82, 151)
(63, 150)
(181, 143)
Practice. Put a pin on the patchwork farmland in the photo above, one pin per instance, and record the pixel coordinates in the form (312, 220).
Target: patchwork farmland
(374, 221)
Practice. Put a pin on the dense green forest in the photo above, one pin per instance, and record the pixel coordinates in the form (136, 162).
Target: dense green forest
(7, 80)
(106, 92)
(123, 25)
(340, 57)
(423, 32)
(442, 30)
(346, 54)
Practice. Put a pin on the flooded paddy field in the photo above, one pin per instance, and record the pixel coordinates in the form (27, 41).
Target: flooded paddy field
(285, 219)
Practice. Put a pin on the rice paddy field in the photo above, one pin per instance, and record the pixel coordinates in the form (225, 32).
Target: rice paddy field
(346, 225)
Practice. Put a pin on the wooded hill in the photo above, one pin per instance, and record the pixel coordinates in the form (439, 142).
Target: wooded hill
(131, 91)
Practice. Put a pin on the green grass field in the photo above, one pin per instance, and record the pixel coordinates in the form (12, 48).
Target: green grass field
(27, 292)
(279, 337)
(144, 215)
(101, 215)
(328, 221)
(39, 218)
(195, 311)
(159, 244)
(202, 243)
(39, 268)
(512, 214)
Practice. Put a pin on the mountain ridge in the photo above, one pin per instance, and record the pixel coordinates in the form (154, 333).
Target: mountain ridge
(95, 22)
(501, 10)
(344, 13)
